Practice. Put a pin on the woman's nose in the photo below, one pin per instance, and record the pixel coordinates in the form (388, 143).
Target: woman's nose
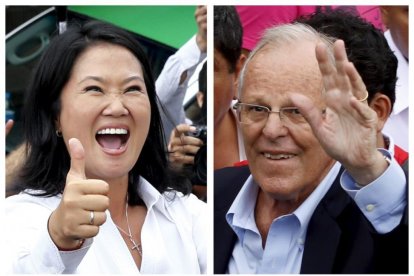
(115, 107)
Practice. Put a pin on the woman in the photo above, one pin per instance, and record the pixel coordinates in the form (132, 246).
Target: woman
(97, 193)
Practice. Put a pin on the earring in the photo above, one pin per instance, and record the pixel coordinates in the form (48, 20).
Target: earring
(58, 133)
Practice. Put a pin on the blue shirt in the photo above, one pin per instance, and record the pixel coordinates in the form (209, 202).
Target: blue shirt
(382, 205)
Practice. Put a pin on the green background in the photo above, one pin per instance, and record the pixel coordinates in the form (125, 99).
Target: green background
(170, 25)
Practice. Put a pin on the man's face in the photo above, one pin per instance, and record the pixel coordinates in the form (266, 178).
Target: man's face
(224, 86)
(286, 159)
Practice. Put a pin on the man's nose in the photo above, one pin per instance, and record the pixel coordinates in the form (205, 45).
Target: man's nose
(274, 126)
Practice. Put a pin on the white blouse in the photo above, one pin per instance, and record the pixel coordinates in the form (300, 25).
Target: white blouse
(173, 237)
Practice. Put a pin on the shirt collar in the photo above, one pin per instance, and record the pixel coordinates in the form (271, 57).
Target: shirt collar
(241, 213)
(148, 193)
(153, 199)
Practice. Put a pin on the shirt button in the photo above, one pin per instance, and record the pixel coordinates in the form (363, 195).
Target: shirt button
(300, 241)
(370, 207)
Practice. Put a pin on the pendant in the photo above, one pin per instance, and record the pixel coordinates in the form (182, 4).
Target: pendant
(136, 246)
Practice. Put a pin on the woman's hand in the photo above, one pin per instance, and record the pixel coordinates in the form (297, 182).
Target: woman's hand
(83, 205)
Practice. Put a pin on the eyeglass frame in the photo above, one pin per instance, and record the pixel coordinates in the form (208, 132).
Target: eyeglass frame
(268, 111)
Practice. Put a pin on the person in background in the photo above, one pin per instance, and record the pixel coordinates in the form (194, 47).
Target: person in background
(187, 146)
(173, 81)
(256, 19)
(375, 62)
(318, 195)
(395, 18)
(228, 60)
(96, 182)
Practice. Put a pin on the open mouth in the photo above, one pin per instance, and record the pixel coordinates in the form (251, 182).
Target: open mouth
(112, 138)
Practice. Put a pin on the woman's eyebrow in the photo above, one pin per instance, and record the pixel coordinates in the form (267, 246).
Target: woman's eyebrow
(136, 77)
(99, 79)
(95, 78)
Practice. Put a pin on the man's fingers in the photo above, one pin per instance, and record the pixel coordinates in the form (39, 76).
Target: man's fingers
(182, 159)
(77, 159)
(183, 128)
(326, 67)
(358, 86)
(313, 114)
(341, 62)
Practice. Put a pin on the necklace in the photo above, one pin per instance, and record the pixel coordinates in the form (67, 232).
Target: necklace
(135, 245)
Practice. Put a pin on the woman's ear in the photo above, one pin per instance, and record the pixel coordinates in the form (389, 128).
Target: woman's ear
(58, 128)
(381, 104)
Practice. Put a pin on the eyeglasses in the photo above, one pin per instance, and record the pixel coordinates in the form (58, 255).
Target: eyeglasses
(253, 113)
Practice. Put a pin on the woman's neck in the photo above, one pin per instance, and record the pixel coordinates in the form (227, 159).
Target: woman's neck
(118, 190)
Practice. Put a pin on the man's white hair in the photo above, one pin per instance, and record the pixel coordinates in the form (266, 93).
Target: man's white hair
(287, 34)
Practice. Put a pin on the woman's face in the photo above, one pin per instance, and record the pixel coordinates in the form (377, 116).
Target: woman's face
(106, 106)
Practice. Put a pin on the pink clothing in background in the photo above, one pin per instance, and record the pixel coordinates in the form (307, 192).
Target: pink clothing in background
(255, 19)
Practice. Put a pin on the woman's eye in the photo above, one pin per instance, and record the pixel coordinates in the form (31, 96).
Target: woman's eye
(93, 88)
(133, 89)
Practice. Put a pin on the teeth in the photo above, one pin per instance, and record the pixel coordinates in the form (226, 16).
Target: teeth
(113, 131)
(278, 156)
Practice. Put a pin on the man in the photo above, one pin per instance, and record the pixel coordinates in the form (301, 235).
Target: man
(375, 62)
(228, 60)
(319, 197)
(187, 148)
(173, 81)
(228, 144)
(395, 18)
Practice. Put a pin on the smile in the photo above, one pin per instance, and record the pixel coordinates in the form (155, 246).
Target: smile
(278, 156)
(112, 139)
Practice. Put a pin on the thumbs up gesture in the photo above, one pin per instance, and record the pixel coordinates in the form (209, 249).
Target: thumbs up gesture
(82, 208)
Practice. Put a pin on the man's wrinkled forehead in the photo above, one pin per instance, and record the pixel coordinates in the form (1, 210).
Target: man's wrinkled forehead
(287, 68)
(287, 59)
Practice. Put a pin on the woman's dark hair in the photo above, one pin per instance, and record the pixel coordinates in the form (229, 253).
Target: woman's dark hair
(48, 160)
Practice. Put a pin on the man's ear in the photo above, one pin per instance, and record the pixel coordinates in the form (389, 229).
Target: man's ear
(239, 67)
(240, 63)
(381, 104)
